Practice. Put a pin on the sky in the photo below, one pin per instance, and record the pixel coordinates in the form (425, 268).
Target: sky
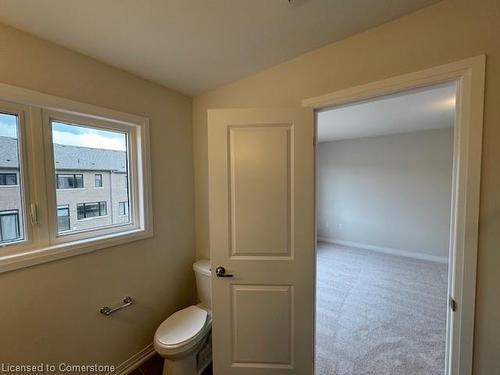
(8, 126)
(72, 135)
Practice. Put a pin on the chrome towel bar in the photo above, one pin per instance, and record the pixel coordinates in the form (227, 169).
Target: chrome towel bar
(106, 310)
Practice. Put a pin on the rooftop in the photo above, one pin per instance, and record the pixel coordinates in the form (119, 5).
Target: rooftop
(69, 157)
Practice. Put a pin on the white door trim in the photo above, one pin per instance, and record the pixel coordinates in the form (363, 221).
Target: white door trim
(470, 76)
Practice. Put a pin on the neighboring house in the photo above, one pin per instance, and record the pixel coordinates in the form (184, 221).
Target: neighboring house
(92, 188)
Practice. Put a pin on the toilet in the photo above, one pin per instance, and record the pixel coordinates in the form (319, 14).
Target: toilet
(184, 339)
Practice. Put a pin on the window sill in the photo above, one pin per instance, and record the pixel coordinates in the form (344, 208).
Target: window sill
(48, 254)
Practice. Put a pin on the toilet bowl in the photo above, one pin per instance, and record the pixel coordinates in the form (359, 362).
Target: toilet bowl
(184, 338)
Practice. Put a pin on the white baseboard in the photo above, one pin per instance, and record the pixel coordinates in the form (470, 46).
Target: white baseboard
(135, 361)
(386, 250)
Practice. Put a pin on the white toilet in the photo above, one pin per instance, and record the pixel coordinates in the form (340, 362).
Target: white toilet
(184, 339)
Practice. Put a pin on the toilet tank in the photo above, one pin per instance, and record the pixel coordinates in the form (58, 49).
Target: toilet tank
(203, 282)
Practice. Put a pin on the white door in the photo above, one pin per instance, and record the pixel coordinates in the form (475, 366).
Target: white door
(261, 197)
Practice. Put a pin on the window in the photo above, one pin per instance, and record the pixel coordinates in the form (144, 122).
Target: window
(92, 149)
(70, 181)
(88, 210)
(123, 208)
(9, 226)
(54, 215)
(63, 219)
(8, 179)
(98, 180)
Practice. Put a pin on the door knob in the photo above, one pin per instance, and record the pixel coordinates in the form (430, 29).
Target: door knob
(221, 272)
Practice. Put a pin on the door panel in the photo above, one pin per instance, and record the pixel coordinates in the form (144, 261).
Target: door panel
(262, 336)
(259, 181)
(261, 197)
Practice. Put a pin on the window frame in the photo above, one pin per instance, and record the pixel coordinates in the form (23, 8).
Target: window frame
(99, 205)
(3, 177)
(42, 243)
(74, 179)
(50, 116)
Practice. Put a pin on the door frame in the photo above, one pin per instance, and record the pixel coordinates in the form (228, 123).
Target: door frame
(469, 74)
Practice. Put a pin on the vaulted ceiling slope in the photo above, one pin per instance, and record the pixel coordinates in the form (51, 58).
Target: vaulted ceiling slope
(193, 46)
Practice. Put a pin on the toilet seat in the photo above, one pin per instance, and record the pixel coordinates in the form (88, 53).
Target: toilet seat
(182, 331)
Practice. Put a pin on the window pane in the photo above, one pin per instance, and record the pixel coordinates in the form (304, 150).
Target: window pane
(8, 179)
(63, 221)
(80, 212)
(9, 225)
(11, 179)
(123, 208)
(91, 210)
(11, 199)
(98, 180)
(69, 181)
(63, 182)
(81, 166)
(103, 209)
(78, 181)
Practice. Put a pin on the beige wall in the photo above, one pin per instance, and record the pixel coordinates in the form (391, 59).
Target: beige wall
(392, 191)
(50, 312)
(448, 31)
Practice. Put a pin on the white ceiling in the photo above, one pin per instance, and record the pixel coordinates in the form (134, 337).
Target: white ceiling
(421, 109)
(197, 45)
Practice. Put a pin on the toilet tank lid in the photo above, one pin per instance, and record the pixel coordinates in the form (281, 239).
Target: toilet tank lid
(202, 266)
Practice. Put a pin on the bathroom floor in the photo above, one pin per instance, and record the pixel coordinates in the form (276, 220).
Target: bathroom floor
(154, 366)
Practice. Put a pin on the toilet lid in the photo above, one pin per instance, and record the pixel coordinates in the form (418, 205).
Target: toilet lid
(182, 326)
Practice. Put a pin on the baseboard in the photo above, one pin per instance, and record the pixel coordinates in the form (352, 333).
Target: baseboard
(135, 361)
(386, 250)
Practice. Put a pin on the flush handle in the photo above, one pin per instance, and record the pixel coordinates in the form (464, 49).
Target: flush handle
(221, 272)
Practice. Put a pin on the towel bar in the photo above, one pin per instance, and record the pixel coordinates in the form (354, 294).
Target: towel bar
(106, 310)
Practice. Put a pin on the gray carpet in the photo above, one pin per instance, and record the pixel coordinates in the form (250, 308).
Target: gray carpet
(379, 314)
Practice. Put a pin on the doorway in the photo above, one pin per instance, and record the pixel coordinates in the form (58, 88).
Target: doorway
(384, 171)
(469, 75)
